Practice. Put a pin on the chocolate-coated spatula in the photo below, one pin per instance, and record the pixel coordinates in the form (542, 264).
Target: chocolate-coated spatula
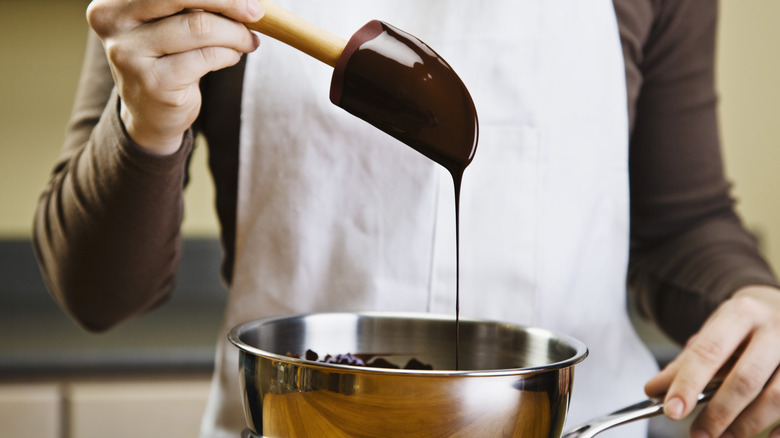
(390, 79)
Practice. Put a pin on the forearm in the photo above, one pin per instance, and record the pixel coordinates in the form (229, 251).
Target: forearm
(679, 283)
(689, 251)
(106, 229)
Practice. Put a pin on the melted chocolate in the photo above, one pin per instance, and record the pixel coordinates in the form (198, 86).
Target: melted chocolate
(397, 83)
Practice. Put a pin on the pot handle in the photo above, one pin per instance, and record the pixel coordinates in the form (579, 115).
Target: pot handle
(649, 408)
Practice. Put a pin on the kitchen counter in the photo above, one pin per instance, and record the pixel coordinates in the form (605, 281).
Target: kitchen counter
(37, 339)
(45, 342)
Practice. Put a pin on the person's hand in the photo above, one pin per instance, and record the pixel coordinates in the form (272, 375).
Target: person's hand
(158, 51)
(741, 342)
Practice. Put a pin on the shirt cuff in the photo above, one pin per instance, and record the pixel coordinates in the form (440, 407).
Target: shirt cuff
(135, 154)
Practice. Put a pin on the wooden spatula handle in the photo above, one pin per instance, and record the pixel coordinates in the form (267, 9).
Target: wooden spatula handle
(280, 24)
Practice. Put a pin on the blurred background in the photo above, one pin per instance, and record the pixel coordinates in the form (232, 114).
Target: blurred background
(150, 377)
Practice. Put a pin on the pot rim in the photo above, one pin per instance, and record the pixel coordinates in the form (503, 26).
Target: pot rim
(581, 351)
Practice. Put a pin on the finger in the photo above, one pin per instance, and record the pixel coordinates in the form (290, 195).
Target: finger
(663, 380)
(743, 384)
(762, 413)
(194, 30)
(699, 362)
(105, 15)
(146, 53)
(239, 10)
(192, 65)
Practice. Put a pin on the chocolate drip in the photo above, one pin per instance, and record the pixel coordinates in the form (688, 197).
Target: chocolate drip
(397, 83)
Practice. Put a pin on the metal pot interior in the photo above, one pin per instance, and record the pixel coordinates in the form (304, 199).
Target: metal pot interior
(484, 345)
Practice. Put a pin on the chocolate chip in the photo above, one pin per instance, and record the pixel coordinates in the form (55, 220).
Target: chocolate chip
(362, 360)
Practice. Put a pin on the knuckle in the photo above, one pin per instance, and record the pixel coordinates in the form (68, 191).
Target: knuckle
(708, 350)
(102, 17)
(746, 427)
(199, 24)
(716, 417)
(98, 16)
(118, 54)
(747, 381)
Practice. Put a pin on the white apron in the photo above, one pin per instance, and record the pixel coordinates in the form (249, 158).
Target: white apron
(335, 215)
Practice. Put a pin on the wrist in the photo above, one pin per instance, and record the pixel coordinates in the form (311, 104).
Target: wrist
(152, 142)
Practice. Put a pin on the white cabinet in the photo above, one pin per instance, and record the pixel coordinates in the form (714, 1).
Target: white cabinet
(149, 408)
(31, 410)
(134, 409)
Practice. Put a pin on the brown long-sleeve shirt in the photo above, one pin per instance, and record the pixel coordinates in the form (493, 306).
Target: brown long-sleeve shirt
(107, 228)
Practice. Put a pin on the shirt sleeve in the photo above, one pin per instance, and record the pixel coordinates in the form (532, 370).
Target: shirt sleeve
(107, 226)
(689, 250)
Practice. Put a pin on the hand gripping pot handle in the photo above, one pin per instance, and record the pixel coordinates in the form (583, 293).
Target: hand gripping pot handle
(651, 407)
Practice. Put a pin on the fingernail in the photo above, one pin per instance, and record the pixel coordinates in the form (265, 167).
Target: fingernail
(699, 434)
(255, 9)
(674, 409)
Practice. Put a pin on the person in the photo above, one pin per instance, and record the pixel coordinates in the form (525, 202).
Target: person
(319, 211)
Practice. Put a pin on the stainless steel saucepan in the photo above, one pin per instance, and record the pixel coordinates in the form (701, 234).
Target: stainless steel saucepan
(513, 381)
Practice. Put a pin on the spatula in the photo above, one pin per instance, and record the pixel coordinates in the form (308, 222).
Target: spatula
(391, 80)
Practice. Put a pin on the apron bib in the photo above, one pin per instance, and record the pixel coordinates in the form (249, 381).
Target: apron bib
(335, 215)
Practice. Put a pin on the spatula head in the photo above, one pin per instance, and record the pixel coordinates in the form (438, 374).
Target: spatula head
(397, 83)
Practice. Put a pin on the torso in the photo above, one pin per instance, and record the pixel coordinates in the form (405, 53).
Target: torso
(389, 243)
